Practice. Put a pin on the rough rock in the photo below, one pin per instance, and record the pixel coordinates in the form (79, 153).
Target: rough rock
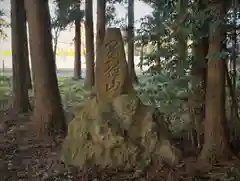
(114, 128)
(123, 133)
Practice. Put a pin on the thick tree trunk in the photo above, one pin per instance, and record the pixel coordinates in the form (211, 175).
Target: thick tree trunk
(48, 113)
(89, 80)
(101, 21)
(26, 54)
(18, 31)
(130, 41)
(77, 56)
(215, 146)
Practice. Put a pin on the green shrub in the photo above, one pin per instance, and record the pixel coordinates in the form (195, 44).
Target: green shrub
(72, 92)
(166, 93)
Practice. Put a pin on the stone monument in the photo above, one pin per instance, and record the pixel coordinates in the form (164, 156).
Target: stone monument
(111, 69)
(114, 128)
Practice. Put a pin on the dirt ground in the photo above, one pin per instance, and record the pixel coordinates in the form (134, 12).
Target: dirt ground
(25, 158)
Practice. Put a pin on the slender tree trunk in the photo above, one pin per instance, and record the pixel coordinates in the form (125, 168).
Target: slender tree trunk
(20, 88)
(198, 77)
(89, 80)
(158, 60)
(26, 54)
(181, 37)
(141, 57)
(77, 56)
(157, 67)
(101, 21)
(234, 108)
(215, 146)
(55, 52)
(55, 43)
(198, 92)
(131, 65)
(48, 113)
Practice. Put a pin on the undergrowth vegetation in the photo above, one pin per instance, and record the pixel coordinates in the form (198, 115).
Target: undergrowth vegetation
(169, 94)
(5, 87)
(72, 91)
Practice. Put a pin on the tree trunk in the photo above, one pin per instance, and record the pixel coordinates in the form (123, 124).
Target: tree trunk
(198, 92)
(89, 80)
(215, 146)
(234, 108)
(158, 59)
(141, 57)
(181, 37)
(101, 21)
(198, 78)
(26, 54)
(77, 56)
(48, 113)
(131, 65)
(20, 88)
(55, 52)
(55, 43)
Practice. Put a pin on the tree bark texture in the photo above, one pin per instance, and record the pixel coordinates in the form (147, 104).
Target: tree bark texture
(131, 65)
(101, 21)
(198, 82)
(89, 79)
(48, 113)
(26, 53)
(18, 31)
(77, 56)
(215, 146)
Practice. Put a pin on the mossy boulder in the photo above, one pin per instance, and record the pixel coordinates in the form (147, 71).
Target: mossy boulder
(121, 133)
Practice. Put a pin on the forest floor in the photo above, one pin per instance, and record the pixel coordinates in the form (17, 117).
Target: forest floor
(25, 158)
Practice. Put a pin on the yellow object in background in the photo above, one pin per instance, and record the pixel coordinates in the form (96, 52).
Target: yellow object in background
(60, 52)
(6, 53)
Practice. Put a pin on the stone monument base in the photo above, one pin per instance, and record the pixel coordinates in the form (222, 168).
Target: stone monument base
(121, 133)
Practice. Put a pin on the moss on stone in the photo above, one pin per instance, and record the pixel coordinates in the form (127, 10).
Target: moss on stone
(122, 133)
